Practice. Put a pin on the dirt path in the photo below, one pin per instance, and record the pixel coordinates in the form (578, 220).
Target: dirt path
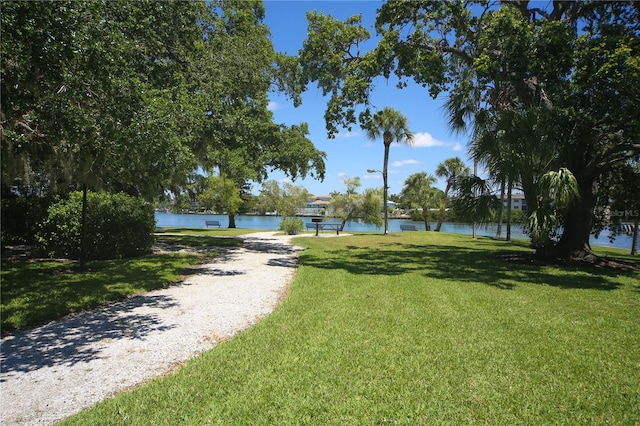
(54, 371)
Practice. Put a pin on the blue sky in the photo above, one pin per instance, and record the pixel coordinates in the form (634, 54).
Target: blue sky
(351, 153)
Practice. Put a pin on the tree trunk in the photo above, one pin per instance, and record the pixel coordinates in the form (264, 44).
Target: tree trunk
(509, 193)
(499, 230)
(634, 241)
(425, 215)
(385, 189)
(574, 242)
(232, 221)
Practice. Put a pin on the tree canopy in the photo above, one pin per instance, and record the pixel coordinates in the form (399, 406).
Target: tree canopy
(134, 96)
(555, 86)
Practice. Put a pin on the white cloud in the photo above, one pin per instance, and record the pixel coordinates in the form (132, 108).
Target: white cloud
(404, 162)
(425, 140)
(343, 174)
(272, 106)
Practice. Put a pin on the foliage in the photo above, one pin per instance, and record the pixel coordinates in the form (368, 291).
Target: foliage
(350, 205)
(474, 201)
(135, 96)
(87, 88)
(554, 86)
(418, 192)
(451, 169)
(221, 195)
(291, 225)
(21, 217)
(375, 330)
(286, 199)
(391, 125)
(117, 226)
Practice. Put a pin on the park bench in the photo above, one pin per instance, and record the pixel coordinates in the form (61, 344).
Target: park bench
(333, 226)
(408, 228)
(325, 226)
(212, 223)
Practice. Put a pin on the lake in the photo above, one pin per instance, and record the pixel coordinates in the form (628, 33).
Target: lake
(271, 223)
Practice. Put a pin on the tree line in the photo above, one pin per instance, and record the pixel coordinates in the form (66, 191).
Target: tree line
(134, 97)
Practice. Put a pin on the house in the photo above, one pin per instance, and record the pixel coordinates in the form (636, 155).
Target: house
(317, 205)
(518, 202)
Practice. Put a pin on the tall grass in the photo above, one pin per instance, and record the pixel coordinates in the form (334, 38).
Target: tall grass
(415, 329)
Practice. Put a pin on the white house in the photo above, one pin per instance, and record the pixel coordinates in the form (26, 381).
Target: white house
(517, 202)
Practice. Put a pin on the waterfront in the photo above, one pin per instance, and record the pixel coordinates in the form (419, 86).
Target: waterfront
(173, 220)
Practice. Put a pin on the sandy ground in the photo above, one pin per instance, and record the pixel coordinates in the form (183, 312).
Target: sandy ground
(51, 372)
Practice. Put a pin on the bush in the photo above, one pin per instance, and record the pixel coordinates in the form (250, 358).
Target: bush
(291, 225)
(117, 226)
(21, 217)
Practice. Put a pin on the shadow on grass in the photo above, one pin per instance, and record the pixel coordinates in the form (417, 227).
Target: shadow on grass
(476, 263)
(66, 342)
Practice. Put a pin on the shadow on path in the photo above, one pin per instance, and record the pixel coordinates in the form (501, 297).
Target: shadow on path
(68, 342)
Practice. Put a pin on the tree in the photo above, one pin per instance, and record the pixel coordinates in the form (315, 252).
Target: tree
(473, 200)
(351, 205)
(451, 169)
(391, 125)
(557, 70)
(238, 138)
(67, 121)
(221, 195)
(418, 191)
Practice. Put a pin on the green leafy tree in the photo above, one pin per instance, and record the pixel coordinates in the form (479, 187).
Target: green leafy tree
(351, 205)
(556, 69)
(222, 195)
(286, 199)
(390, 125)
(238, 137)
(418, 191)
(86, 85)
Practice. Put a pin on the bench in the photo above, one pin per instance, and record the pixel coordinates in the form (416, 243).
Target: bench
(408, 228)
(325, 226)
(333, 226)
(212, 223)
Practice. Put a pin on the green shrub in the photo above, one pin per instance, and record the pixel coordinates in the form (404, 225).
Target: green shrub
(117, 226)
(20, 218)
(291, 225)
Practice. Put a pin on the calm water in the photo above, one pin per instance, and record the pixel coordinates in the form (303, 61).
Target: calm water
(272, 223)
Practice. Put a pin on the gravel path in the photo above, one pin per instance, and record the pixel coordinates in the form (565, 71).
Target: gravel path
(54, 371)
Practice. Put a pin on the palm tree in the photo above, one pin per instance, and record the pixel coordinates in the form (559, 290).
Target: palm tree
(419, 191)
(451, 169)
(390, 125)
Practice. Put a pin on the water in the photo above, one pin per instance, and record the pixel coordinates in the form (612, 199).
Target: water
(272, 223)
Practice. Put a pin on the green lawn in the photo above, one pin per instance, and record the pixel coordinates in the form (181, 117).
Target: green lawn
(35, 292)
(415, 328)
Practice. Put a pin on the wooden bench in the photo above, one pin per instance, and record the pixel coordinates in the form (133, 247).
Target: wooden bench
(212, 223)
(408, 228)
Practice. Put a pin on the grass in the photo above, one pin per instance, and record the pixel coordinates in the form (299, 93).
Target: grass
(412, 329)
(34, 292)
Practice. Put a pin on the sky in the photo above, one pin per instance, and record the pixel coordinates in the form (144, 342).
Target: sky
(351, 154)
